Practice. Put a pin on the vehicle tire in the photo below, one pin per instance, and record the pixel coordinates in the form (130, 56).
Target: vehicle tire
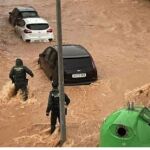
(50, 78)
(21, 38)
(28, 41)
(9, 20)
(39, 61)
(50, 40)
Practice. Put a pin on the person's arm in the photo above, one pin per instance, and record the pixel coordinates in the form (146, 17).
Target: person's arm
(11, 75)
(49, 105)
(28, 71)
(67, 99)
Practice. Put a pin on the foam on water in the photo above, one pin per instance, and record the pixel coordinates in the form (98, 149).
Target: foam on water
(7, 95)
(7, 92)
(39, 135)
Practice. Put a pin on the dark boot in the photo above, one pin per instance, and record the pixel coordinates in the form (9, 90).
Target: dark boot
(52, 129)
(24, 94)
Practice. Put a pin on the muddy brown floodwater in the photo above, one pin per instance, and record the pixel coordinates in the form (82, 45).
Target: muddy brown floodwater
(116, 33)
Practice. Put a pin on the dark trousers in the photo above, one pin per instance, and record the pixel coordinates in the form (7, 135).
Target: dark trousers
(54, 116)
(23, 88)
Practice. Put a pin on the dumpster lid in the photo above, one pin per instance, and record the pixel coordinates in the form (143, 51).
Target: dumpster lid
(145, 114)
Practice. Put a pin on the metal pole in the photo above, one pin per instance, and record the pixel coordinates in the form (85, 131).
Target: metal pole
(60, 73)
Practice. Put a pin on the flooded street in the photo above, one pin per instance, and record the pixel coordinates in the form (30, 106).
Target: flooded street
(117, 35)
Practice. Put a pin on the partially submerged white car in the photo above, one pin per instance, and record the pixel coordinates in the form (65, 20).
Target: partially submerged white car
(34, 29)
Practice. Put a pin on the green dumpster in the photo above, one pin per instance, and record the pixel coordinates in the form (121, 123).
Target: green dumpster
(127, 127)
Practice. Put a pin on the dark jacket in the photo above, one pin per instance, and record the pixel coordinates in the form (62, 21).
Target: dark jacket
(18, 72)
(53, 101)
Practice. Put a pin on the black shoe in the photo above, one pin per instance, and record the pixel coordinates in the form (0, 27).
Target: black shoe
(52, 130)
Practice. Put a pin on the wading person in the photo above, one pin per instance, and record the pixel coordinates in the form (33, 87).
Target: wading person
(18, 76)
(53, 106)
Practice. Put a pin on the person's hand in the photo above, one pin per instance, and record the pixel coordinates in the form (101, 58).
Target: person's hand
(47, 114)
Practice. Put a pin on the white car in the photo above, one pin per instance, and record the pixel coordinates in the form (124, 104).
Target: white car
(34, 29)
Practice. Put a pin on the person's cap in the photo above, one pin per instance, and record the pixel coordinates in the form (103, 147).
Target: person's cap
(19, 62)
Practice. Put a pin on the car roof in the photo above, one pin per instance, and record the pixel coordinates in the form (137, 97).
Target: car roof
(20, 8)
(34, 20)
(73, 51)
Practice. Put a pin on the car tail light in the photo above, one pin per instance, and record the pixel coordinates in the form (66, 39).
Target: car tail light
(94, 67)
(50, 30)
(27, 31)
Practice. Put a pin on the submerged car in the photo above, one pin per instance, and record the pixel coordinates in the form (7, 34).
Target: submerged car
(19, 13)
(79, 67)
(34, 29)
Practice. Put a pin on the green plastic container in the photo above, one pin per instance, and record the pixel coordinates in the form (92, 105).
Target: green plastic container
(126, 128)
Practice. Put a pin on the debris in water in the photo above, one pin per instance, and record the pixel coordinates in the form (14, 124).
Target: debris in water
(140, 96)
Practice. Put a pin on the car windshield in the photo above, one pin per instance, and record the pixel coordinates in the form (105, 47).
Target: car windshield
(77, 63)
(27, 14)
(42, 26)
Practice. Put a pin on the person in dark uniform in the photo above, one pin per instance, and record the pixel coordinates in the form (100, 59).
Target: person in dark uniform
(18, 77)
(53, 106)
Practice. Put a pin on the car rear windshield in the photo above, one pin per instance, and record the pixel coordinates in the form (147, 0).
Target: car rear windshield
(42, 26)
(78, 63)
(27, 14)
